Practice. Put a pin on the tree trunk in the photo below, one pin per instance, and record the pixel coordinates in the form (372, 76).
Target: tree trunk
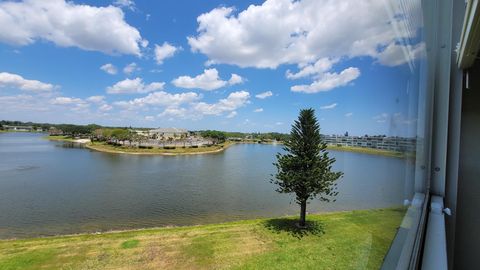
(303, 211)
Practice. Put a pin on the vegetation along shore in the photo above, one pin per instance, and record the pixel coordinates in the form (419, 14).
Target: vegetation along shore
(341, 238)
(181, 150)
(120, 149)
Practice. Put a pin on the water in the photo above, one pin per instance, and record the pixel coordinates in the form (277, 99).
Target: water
(49, 188)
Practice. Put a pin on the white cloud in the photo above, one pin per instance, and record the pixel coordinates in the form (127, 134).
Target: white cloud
(234, 101)
(301, 32)
(235, 79)
(160, 99)
(17, 81)
(130, 68)
(328, 107)
(134, 86)
(66, 101)
(321, 66)
(258, 110)
(109, 68)
(329, 81)
(396, 54)
(264, 95)
(66, 24)
(165, 51)
(232, 114)
(279, 123)
(96, 99)
(105, 107)
(394, 119)
(348, 114)
(174, 111)
(130, 4)
(208, 80)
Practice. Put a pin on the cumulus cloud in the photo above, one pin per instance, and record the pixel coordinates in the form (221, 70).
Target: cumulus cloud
(301, 32)
(17, 81)
(264, 95)
(258, 110)
(208, 80)
(234, 101)
(196, 110)
(134, 86)
(164, 51)
(396, 54)
(77, 103)
(109, 68)
(96, 99)
(160, 98)
(174, 111)
(130, 68)
(328, 107)
(329, 81)
(235, 79)
(322, 65)
(66, 24)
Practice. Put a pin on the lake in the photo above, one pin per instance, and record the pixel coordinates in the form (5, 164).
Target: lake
(50, 188)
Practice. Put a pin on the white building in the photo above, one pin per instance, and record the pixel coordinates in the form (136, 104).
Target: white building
(168, 133)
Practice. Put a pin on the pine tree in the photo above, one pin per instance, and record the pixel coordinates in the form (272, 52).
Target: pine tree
(306, 169)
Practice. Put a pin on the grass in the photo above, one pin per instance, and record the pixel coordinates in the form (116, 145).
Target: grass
(371, 151)
(103, 147)
(342, 240)
(59, 138)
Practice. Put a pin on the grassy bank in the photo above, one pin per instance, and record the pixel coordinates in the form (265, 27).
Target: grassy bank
(60, 138)
(370, 151)
(343, 240)
(179, 150)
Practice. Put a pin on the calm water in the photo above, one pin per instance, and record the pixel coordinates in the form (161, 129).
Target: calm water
(49, 188)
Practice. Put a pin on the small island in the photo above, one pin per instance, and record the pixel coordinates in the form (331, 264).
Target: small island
(178, 141)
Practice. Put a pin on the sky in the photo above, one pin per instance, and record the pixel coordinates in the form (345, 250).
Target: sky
(247, 66)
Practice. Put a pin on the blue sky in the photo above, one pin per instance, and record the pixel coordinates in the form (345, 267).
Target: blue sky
(206, 64)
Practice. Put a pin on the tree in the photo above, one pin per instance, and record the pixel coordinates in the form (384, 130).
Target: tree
(216, 136)
(306, 169)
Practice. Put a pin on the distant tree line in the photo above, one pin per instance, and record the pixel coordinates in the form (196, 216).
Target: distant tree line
(103, 133)
(215, 135)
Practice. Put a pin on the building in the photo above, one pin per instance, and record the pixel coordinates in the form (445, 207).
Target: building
(168, 133)
(18, 128)
(399, 144)
(145, 133)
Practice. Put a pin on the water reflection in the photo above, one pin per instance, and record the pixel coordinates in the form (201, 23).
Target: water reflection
(61, 188)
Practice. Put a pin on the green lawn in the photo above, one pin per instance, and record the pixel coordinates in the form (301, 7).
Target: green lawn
(371, 151)
(343, 240)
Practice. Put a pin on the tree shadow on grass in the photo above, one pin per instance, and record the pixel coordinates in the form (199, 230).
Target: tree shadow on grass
(290, 226)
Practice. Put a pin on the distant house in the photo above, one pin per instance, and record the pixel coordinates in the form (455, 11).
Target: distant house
(169, 133)
(53, 131)
(18, 128)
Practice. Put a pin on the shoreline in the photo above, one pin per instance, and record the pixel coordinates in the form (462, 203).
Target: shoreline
(221, 223)
(205, 150)
(155, 151)
(251, 243)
